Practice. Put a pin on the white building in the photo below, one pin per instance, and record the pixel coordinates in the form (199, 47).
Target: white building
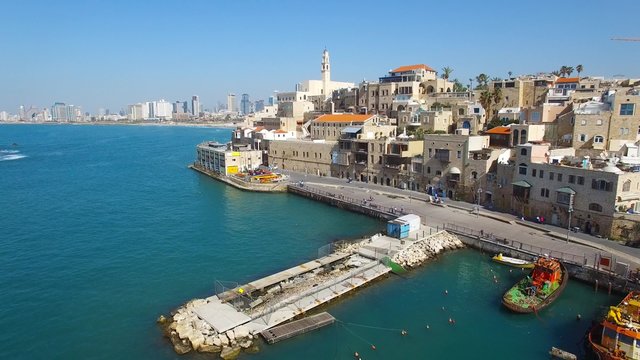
(162, 109)
(231, 103)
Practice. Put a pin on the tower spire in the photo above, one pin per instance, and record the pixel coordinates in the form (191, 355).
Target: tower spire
(326, 72)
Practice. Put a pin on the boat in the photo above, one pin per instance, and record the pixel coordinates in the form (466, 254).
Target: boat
(519, 263)
(534, 292)
(617, 336)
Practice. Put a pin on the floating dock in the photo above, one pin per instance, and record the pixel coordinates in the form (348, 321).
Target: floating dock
(297, 327)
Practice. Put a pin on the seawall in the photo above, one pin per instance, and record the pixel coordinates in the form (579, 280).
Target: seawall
(277, 187)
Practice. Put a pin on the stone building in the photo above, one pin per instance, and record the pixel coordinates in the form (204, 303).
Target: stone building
(310, 157)
(591, 194)
(217, 157)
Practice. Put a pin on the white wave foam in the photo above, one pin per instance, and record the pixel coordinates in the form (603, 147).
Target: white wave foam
(11, 157)
(9, 151)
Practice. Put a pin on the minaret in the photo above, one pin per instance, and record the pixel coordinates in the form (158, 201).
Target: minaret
(326, 73)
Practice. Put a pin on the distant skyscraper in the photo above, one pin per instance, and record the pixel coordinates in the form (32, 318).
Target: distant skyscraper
(195, 105)
(259, 105)
(177, 107)
(272, 100)
(231, 103)
(245, 104)
(63, 112)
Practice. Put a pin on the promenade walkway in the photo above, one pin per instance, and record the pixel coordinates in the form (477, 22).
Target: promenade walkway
(464, 214)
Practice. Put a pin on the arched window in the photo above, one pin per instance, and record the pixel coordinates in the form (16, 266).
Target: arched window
(522, 169)
(523, 152)
(474, 175)
(595, 207)
(516, 136)
(598, 139)
(626, 186)
(523, 136)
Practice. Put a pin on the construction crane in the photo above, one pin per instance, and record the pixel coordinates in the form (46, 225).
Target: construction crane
(625, 39)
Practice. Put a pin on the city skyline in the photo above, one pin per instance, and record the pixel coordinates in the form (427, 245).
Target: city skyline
(101, 69)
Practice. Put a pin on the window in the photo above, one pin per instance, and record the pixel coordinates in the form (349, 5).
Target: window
(572, 179)
(523, 152)
(626, 109)
(595, 207)
(429, 152)
(559, 177)
(541, 174)
(428, 169)
(563, 198)
(580, 180)
(583, 137)
(601, 185)
(551, 174)
(474, 175)
(522, 170)
(544, 192)
(583, 122)
(533, 172)
(599, 122)
(459, 154)
(438, 173)
(626, 186)
(598, 139)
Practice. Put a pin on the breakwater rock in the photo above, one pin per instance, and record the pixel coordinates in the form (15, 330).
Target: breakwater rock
(420, 251)
(188, 332)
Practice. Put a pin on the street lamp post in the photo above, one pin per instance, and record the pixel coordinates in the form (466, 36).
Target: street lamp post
(478, 206)
(570, 212)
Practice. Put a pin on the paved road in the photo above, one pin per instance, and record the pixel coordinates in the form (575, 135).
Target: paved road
(463, 214)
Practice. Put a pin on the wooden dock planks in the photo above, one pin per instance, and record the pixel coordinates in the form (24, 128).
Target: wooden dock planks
(297, 327)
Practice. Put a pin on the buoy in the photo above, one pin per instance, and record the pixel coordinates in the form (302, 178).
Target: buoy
(428, 327)
(373, 347)
(356, 355)
(403, 332)
(450, 321)
(443, 308)
(510, 270)
(446, 292)
(578, 317)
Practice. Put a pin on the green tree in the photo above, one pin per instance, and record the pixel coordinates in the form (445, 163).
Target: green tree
(563, 70)
(556, 73)
(496, 78)
(419, 134)
(494, 123)
(483, 81)
(579, 69)
(457, 86)
(486, 97)
(510, 73)
(446, 72)
(569, 70)
(497, 95)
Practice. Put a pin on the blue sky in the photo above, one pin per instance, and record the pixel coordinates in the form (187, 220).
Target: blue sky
(99, 53)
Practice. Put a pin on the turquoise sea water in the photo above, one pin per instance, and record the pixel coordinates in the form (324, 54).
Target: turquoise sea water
(103, 228)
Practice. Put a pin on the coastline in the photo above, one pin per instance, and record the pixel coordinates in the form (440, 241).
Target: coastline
(129, 123)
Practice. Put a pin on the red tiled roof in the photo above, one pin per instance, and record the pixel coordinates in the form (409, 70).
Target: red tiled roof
(258, 129)
(564, 80)
(499, 130)
(412, 67)
(280, 131)
(343, 118)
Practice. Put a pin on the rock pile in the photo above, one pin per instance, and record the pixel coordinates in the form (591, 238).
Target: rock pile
(188, 332)
(420, 251)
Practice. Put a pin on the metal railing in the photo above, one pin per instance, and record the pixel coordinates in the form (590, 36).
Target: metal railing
(367, 203)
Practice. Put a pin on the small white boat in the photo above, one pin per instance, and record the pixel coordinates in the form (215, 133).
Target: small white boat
(519, 263)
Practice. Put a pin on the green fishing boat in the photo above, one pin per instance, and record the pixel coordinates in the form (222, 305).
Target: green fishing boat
(536, 291)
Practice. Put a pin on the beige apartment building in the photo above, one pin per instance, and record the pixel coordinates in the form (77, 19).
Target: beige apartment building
(445, 163)
(307, 156)
(521, 92)
(329, 126)
(595, 196)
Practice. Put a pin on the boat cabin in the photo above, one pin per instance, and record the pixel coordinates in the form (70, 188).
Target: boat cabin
(621, 328)
(546, 270)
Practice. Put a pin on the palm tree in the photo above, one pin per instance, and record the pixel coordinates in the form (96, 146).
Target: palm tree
(482, 79)
(457, 86)
(446, 72)
(556, 73)
(579, 69)
(497, 95)
(563, 70)
(470, 84)
(485, 100)
(495, 78)
(510, 73)
(569, 70)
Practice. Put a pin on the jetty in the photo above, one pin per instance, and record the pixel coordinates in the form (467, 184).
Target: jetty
(297, 327)
(242, 183)
(237, 315)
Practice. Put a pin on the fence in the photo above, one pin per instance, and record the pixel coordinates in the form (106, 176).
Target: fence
(362, 202)
(580, 260)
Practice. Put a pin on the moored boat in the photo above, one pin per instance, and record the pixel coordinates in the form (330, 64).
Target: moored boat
(519, 263)
(617, 337)
(548, 279)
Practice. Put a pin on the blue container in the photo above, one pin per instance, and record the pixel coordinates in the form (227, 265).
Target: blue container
(397, 229)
